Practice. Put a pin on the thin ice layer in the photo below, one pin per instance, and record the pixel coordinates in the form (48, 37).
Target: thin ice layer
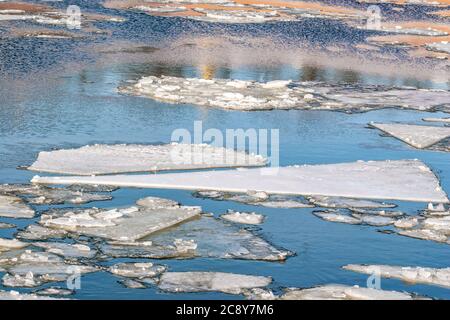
(417, 136)
(105, 159)
(409, 180)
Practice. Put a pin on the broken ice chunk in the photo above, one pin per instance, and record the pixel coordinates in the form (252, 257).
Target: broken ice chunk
(54, 291)
(8, 244)
(335, 216)
(14, 207)
(243, 217)
(36, 232)
(424, 234)
(337, 202)
(210, 281)
(431, 276)
(40, 195)
(406, 223)
(206, 237)
(67, 250)
(133, 284)
(28, 280)
(137, 270)
(374, 220)
(14, 295)
(342, 292)
(97, 159)
(418, 136)
(125, 224)
(4, 225)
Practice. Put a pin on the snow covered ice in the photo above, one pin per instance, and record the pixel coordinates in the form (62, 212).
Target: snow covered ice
(418, 136)
(107, 159)
(409, 180)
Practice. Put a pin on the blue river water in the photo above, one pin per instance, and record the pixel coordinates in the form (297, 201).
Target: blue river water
(46, 109)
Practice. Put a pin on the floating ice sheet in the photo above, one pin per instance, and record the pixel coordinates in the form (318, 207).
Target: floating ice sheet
(67, 250)
(417, 136)
(14, 207)
(210, 281)
(431, 276)
(127, 224)
(206, 237)
(336, 202)
(444, 120)
(409, 180)
(252, 95)
(36, 232)
(243, 217)
(104, 159)
(343, 292)
(40, 195)
(137, 270)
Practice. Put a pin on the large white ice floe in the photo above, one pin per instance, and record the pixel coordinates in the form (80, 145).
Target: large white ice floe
(14, 207)
(206, 237)
(418, 136)
(210, 281)
(431, 276)
(106, 159)
(126, 224)
(343, 292)
(278, 94)
(409, 180)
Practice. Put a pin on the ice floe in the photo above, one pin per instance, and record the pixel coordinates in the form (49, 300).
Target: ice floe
(418, 136)
(431, 276)
(252, 95)
(243, 217)
(15, 295)
(137, 270)
(4, 225)
(126, 224)
(14, 207)
(336, 202)
(343, 292)
(210, 281)
(54, 291)
(67, 250)
(40, 195)
(27, 268)
(37, 232)
(409, 180)
(206, 237)
(444, 120)
(337, 217)
(105, 159)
